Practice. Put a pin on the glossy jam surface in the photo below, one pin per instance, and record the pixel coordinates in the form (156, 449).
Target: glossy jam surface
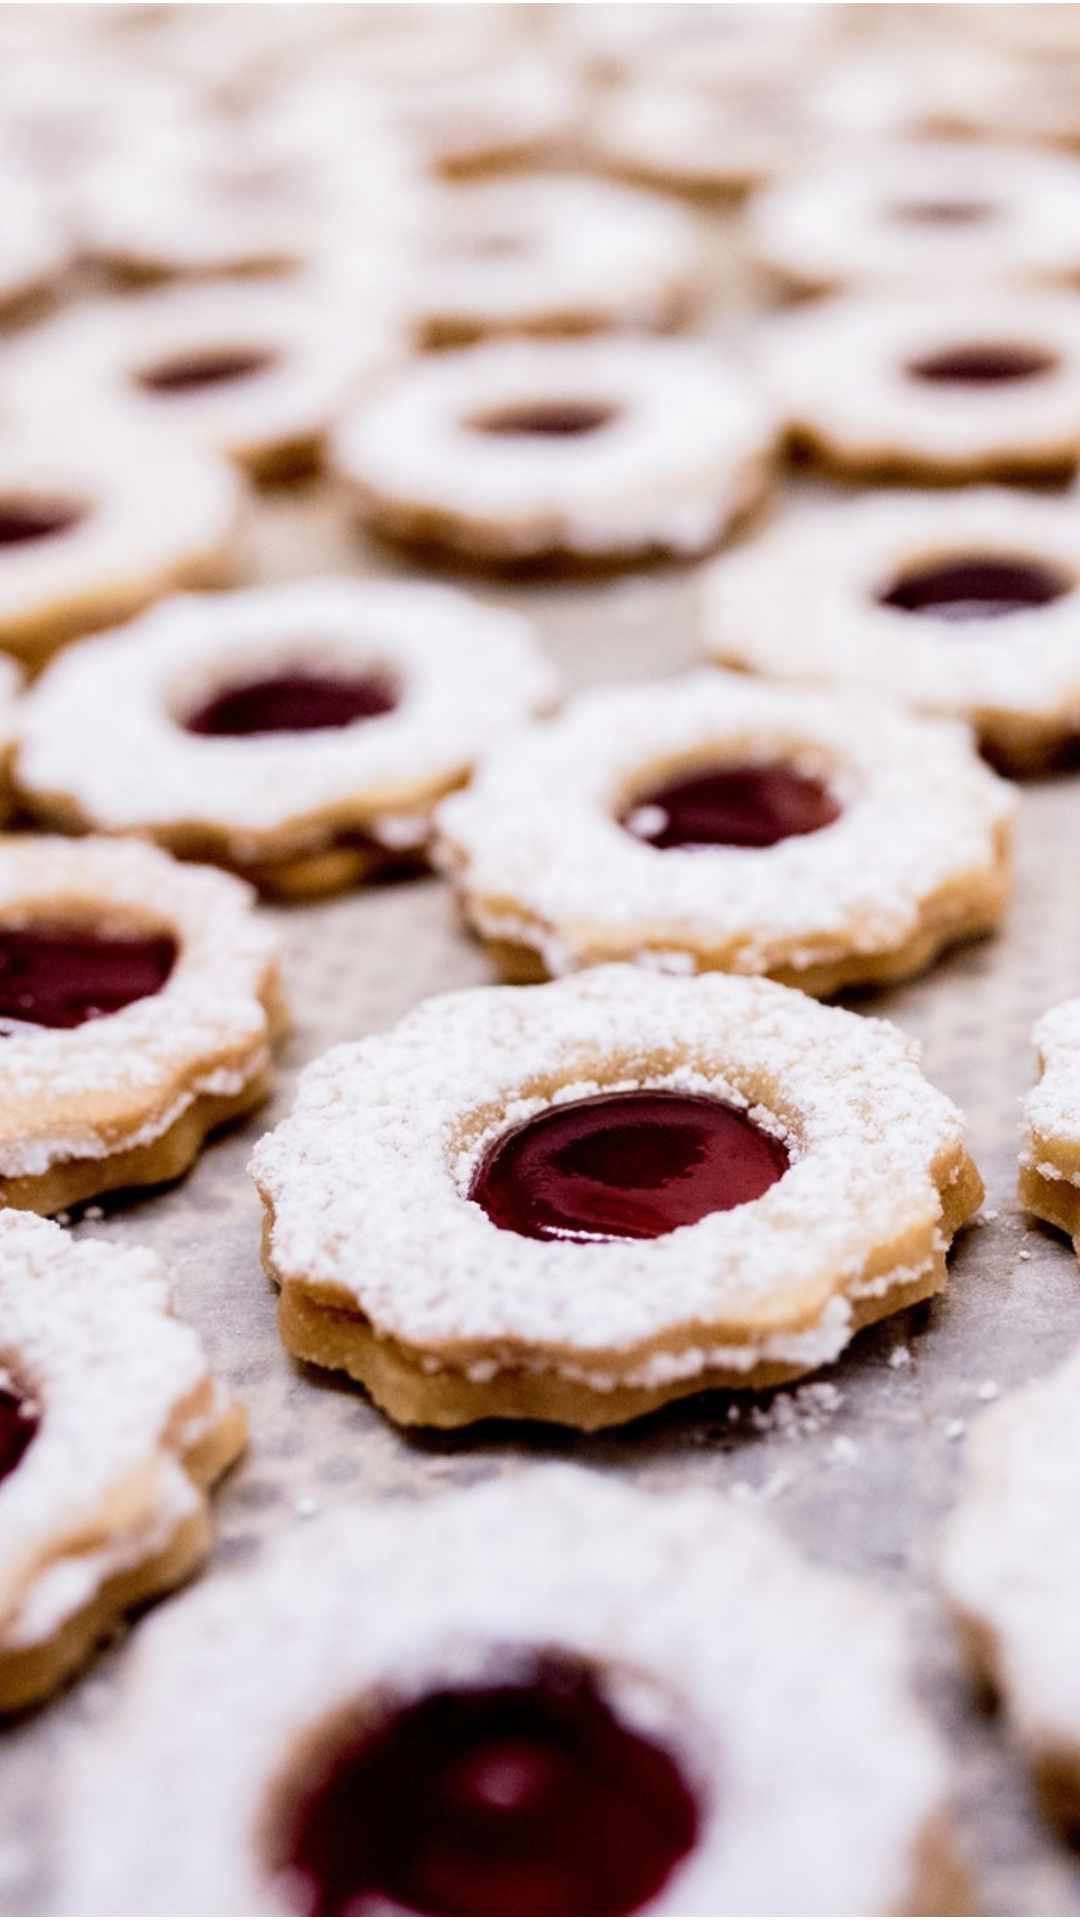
(975, 589)
(982, 365)
(18, 1425)
(521, 1798)
(22, 521)
(198, 370)
(731, 807)
(546, 419)
(625, 1166)
(60, 976)
(294, 703)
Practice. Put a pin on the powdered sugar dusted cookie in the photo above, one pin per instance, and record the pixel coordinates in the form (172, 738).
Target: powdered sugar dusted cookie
(921, 216)
(301, 733)
(566, 1673)
(1009, 1570)
(111, 1432)
(34, 246)
(939, 388)
(526, 450)
(138, 1003)
(1050, 1150)
(579, 1201)
(10, 688)
(99, 517)
(961, 603)
(252, 370)
(553, 253)
(715, 822)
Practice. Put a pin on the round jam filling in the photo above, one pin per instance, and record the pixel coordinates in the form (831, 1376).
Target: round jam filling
(60, 976)
(24, 520)
(546, 419)
(294, 703)
(522, 1798)
(18, 1426)
(976, 589)
(731, 807)
(204, 370)
(625, 1166)
(982, 365)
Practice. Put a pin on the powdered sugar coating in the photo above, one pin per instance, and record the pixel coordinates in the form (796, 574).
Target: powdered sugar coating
(1015, 219)
(122, 1393)
(158, 514)
(650, 1591)
(1050, 1145)
(367, 1179)
(1010, 1564)
(683, 451)
(117, 1082)
(803, 601)
(34, 247)
(541, 859)
(838, 374)
(313, 350)
(551, 252)
(104, 727)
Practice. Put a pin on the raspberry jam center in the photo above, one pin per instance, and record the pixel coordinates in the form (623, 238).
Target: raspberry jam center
(18, 1425)
(61, 976)
(731, 807)
(983, 365)
(199, 370)
(294, 703)
(523, 1798)
(625, 1166)
(23, 521)
(547, 419)
(975, 589)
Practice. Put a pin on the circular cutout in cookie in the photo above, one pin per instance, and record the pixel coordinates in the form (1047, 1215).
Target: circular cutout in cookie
(19, 1422)
(742, 806)
(546, 419)
(979, 587)
(190, 373)
(525, 1796)
(25, 519)
(983, 364)
(295, 702)
(62, 975)
(942, 213)
(627, 1165)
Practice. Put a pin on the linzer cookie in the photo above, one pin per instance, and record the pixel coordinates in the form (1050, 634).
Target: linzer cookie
(138, 1003)
(99, 518)
(964, 604)
(576, 1202)
(551, 1694)
(1050, 1150)
(112, 1431)
(553, 253)
(1009, 1571)
(301, 733)
(604, 450)
(250, 370)
(942, 389)
(928, 215)
(715, 822)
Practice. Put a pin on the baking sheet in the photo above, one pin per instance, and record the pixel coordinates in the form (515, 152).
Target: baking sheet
(858, 1466)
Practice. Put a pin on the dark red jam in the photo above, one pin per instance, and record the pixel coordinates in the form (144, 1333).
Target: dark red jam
(731, 807)
(18, 1425)
(983, 365)
(625, 1166)
(59, 976)
(528, 1797)
(942, 213)
(24, 520)
(975, 589)
(295, 703)
(197, 370)
(546, 419)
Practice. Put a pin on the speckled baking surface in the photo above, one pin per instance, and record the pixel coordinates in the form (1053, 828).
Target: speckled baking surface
(859, 1467)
